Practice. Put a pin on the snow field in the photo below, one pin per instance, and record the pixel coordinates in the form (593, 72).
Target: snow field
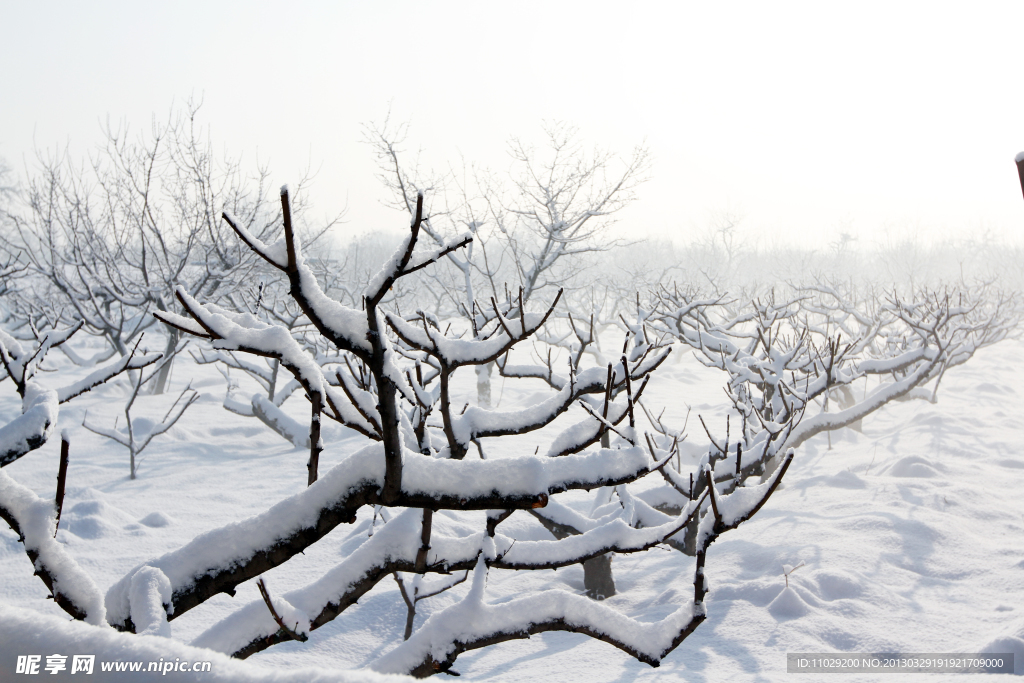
(911, 534)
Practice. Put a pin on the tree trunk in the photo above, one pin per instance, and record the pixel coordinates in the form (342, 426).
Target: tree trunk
(597, 577)
(597, 572)
(273, 379)
(483, 385)
(165, 369)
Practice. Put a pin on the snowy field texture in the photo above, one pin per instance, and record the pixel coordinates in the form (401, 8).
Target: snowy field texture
(908, 534)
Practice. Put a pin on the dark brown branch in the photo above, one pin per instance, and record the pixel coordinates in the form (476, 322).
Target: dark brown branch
(315, 445)
(578, 390)
(273, 612)
(713, 494)
(410, 606)
(356, 590)
(453, 363)
(421, 554)
(387, 395)
(771, 489)
(706, 431)
(289, 233)
(62, 477)
(355, 404)
(604, 412)
(629, 393)
(390, 279)
(242, 236)
(444, 252)
(295, 281)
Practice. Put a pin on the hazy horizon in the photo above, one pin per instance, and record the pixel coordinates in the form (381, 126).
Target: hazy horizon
(806, 121)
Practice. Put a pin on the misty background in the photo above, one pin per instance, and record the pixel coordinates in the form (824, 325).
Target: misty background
(801, 121)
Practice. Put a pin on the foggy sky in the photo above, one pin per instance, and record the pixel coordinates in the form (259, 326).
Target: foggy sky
(881, 120)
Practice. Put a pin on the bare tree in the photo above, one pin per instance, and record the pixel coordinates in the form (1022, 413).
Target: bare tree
(10, 267)
(795, 359)
(561, 203)
(533, 228)
(138, 432)
(8, 186)
(110, 239)
(419, 466)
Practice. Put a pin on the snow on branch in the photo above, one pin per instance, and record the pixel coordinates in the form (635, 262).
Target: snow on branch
(392, 548)
(616, 535)
(34, 520)
(232, 331)
(219, 560)
(20, 363)
(472, 624)
(890, 391)
(149, 599)
(390, 376)
(275, 254)
(282, 423)
(404, 261)
(345, 327)
(101, 375)
(32, 428)
(40, 407)
(453, 353)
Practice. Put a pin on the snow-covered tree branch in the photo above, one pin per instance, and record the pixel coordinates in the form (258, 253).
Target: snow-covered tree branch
(32, 518)
(394, 387)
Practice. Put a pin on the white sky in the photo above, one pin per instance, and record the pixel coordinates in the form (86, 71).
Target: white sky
(808, 119)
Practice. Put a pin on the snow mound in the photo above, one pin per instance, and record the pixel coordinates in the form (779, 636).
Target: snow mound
(156, 519)
(141, 427)
(845, 480)
(1011, 645)
(91, 528)
(759, 593)
(788, 605)
(837, 584)
(913, 466)
(990, 388)
(95, 519)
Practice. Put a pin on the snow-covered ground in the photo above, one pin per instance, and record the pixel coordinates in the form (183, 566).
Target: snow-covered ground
(910, 533)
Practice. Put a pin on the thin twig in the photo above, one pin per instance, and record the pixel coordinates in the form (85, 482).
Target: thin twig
(301, 637)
